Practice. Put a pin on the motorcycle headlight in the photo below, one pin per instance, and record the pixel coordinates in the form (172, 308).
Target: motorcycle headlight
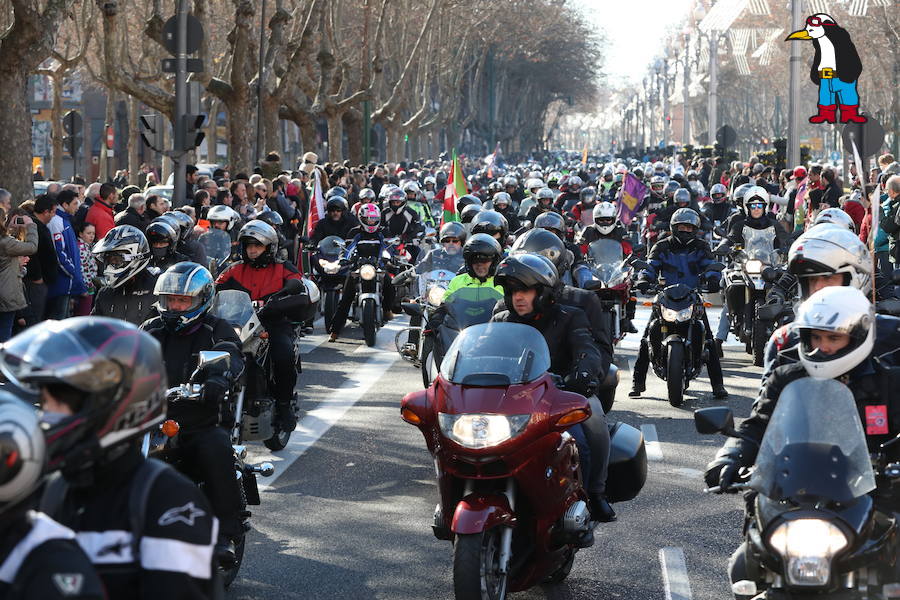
(367, 272)
(754, 267)
(330, 267)
(481, 431)
(436, 295)
(807, 546)
(676, 316)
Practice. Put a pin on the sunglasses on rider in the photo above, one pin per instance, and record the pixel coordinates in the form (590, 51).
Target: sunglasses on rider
(450, 241)
(754, 205)
(718, 196)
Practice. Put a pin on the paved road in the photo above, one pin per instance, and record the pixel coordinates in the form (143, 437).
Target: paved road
(348, 514)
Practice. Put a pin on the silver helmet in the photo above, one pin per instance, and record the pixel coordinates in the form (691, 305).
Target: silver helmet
(829, 249)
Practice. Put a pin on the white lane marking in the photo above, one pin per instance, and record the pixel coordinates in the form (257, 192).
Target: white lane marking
(651, 442)
(310, 342)
(674, 572)
(322, 418)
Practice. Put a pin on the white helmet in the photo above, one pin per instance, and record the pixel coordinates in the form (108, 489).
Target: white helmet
(430, 180)
(605, 217)
(534, 182)
(23, 450)
(411, 186)
(756, 193)
(837, 217)
(659, 167)
(837, 310)
(221, 212)
(576, 182)
(828, 249)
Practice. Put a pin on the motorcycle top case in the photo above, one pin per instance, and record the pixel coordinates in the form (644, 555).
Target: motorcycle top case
(627, 463)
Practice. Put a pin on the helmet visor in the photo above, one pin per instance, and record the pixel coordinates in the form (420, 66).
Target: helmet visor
(44, 354)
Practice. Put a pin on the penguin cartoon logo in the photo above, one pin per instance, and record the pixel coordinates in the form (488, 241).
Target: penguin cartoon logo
(835, 69)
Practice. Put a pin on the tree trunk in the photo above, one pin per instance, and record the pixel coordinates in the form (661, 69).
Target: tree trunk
(353, 123)
(393, 143)
(56, 131)
(271, 121)
(15, 136)
(134, 141)
(239, 129)
(335, 138)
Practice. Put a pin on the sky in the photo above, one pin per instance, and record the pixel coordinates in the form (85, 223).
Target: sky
(635, 31)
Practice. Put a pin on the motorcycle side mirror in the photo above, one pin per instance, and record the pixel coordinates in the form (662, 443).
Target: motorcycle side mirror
(414, 408)
(895, 277)
(569, 409)
(211, 357)
(717, 419)
(769, 275)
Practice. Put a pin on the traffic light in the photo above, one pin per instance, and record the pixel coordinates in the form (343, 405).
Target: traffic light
(151, 131)
(193, 132)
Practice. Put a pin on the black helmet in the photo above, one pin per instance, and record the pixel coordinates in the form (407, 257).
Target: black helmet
(336, 203)
(124, 252)
(184, 279)
(684, 216)
(185, 222)
(159, 231)
(682, 197)
(672, 186)
(528, 271)
(107, 371)
(271, 217)
(481, 245)
(261, 233)
(552, 221)
(588, 196)
(465, 201)
(491, 222)
(468, 213)
(545, 243)
(453, 229)
(336, 191)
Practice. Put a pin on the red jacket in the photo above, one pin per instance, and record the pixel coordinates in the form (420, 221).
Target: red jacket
(100, 215)
(259, 283)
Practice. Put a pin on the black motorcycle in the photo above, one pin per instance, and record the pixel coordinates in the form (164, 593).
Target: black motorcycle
(329, 274)
(677, 337)
(815, 523)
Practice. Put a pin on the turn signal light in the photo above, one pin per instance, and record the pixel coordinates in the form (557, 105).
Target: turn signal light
(634, 298)
(410, 417)
(576, 416)
(170, 428)
(707, 304)
(264, 335)
(647, 303)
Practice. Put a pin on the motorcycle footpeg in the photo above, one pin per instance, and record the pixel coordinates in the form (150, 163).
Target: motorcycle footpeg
(585, 540)
(265, 469)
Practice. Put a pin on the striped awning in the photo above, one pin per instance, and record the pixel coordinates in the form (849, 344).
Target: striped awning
(759, 7)
(722, 14)
(858, 8)
(816, 6)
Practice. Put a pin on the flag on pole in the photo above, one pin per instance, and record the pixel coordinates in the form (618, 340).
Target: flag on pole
(456, 188)
(584, 156)
(316, 204)
(630, 198)
(493, 160)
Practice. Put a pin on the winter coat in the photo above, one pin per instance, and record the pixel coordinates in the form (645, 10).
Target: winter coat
(12, 292)
(129, 216)
(89, 270)
(44, 265)
(70, 281)
(680, 263)
(101, 216)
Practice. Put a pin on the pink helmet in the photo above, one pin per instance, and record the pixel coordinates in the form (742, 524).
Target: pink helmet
(370, 217)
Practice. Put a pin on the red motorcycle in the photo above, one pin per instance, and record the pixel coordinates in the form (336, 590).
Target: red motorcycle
(509, 474)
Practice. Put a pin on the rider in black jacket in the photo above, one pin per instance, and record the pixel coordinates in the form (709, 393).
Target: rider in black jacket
(129, 280)
(93, 418)
(184, 329)
(338, 221)
(530, 283)
(40, 558)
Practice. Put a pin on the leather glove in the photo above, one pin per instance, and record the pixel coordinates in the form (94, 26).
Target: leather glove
(580, 382)
(214, 390)
(722, 473)
(712, 284)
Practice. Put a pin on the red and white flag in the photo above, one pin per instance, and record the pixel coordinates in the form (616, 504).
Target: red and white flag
(316, 204)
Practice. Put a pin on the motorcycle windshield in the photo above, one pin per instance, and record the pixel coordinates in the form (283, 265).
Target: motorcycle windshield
(437, 277)
(470, 306)
(330, 246)
(492, 354)
(605, 257)
(759, 244)
(217, 244)
(446, 262)
(814, 446)
(233, 306)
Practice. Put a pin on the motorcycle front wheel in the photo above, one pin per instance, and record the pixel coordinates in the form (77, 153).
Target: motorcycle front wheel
(476, 560)
(760, 338)
(675, 374)
(332, 297)
(368, 321)
(230, 574)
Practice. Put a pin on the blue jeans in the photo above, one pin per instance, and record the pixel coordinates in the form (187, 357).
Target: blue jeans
(722, 332)
(834, 91)
(6, 325)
